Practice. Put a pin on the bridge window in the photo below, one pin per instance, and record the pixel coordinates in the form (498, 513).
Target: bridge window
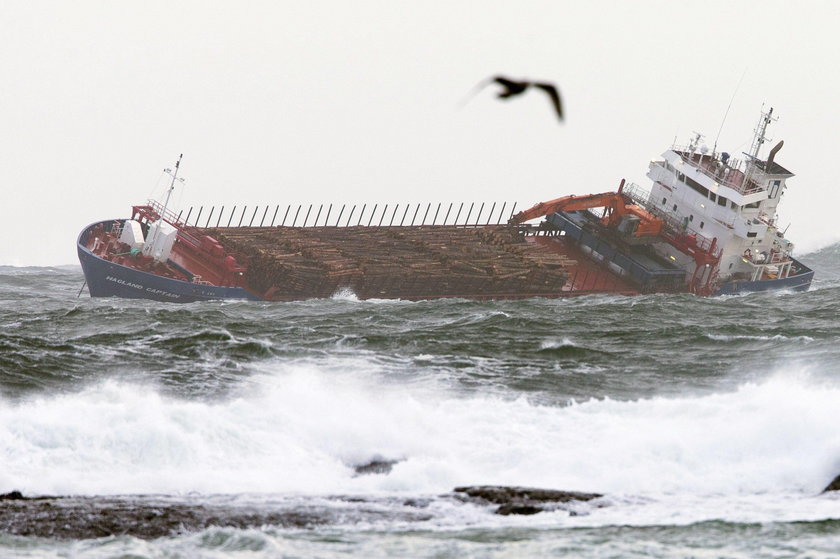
(664, 200)
(721, 201)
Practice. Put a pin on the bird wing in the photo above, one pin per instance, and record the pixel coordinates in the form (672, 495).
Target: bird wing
(475, 90)
(551, 91)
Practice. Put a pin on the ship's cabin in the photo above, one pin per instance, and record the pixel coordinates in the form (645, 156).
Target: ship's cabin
(714, 195)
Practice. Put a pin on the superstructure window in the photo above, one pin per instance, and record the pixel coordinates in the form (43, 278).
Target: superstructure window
(752, 206)
(664, 200)
(675, 207)
(722, 201)
(696, 186)
(774, 189)
(753, 234)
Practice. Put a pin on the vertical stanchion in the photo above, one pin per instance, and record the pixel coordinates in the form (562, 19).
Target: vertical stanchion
(327, 218)
(265, 213)
(425, 215)
(362, 214)
(232, 212)
(198, 216)
(415, 215)
(338, 219)
(436, 214)
(513, 209)
(501, 213)
(285, 215)
(393, 215)
(320, 208)
(305, 219)
(221, 213)
(467, 221)
(251, 223)
(405, 213)
(490, 217)
(296, 214)
(274, 217)
(349, 217)
(209, 217)
(372, 213)
(241, 217)
(461, 207)
(478, 217)
(382, 217)
(189, 213)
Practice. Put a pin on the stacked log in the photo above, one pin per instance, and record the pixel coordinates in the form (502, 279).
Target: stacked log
(288, 263)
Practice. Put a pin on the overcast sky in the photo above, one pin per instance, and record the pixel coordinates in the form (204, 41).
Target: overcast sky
(282, 102)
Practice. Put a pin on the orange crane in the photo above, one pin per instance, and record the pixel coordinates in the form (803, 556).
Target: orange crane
(616, 208)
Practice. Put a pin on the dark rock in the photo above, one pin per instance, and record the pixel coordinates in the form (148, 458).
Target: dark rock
(12, 496)
(417, 503)
(523, 500)
(833, 486)
(511, 508)
(376, 466)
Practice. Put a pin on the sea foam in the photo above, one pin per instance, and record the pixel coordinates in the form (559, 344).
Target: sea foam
(302, 428)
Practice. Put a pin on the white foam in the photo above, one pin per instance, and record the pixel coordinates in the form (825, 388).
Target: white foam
(775, 337)
(345, 294)
(301, 428)
(556, 344)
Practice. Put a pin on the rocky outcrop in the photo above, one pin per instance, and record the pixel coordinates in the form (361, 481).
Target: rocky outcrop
(833, 486)
(376, 466)
(522, 500)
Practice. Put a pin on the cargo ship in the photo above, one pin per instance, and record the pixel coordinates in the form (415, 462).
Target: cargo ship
(707, 225)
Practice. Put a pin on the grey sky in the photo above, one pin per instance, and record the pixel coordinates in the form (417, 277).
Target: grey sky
(282, 102)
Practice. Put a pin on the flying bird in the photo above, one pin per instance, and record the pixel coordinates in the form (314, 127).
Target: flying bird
(513, 88)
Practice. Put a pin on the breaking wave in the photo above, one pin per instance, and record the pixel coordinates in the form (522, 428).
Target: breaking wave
(303, 429)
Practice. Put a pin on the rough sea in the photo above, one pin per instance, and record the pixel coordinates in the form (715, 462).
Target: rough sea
(240, 429)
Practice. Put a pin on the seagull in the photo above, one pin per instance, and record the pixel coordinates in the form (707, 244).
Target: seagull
(513, 88)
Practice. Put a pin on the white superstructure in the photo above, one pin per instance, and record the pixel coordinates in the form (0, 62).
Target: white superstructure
(715, 196)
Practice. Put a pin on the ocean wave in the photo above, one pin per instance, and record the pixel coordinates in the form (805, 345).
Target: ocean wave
(300, 430)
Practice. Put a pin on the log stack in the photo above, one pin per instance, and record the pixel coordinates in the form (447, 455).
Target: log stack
(290, 263)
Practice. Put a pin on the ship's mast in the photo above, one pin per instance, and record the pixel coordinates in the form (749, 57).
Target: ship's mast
(760, 131)
(175, 177)
(150, 243)
(758, 140)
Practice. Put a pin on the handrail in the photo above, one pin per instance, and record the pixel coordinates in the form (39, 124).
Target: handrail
(742, 187)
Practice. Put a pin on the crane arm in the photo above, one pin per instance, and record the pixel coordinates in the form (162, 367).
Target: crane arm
(617, 207)
(612, 200)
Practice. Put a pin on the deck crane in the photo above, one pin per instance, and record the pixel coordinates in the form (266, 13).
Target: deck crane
(618, 210)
